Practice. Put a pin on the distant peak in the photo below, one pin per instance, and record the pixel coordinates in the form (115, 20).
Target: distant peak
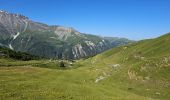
(21, 16)
(3, 11)
(16, 15)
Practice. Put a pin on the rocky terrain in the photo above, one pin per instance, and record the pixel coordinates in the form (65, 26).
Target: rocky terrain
(19, 33)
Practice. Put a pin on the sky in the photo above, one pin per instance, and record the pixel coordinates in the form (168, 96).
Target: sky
(133, 19)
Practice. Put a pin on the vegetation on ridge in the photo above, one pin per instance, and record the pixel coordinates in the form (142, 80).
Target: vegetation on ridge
(8, 53)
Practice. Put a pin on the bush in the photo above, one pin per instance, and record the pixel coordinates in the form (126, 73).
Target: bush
(62, 64)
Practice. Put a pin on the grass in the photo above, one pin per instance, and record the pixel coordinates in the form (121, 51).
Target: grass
(144, 67)
(137, 71)
(20, 82)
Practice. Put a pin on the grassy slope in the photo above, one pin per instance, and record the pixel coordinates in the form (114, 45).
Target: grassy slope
(26, 82)
(142, 68)
(136, 72)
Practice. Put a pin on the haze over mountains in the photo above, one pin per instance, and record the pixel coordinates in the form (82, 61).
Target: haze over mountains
(19, 33)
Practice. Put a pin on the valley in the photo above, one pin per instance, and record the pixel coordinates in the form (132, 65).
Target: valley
(84, 50)
(137, 71)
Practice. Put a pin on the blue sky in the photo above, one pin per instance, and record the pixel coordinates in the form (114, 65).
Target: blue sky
(133, 19)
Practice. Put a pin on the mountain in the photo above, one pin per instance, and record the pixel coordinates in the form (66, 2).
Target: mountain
(22, 34)
(142, 67)
(137, 71)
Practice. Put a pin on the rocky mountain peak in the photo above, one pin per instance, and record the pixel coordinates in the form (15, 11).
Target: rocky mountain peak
(65, 29)
(64, 32)
(5, 13)
(22, 34)
(1, 11)
(21, 16)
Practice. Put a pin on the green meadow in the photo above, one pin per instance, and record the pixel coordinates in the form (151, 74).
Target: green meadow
(138, 71)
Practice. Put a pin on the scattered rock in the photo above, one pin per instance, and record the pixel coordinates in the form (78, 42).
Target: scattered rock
(139, 57)
(99, 78)
(132, 74)
(147, 78)
(125, 48)
(157, 93)
(147, 89)
(71, 63)
(116, 65)
(142, 58)
(104, 74)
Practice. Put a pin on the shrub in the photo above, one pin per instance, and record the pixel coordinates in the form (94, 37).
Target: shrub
(62, 64)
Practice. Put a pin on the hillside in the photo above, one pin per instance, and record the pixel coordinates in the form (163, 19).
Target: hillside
(142, 68)
(20, 33)
(138, 71)
(10, 54)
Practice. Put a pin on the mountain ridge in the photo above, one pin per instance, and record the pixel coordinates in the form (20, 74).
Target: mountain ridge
(22, 34)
